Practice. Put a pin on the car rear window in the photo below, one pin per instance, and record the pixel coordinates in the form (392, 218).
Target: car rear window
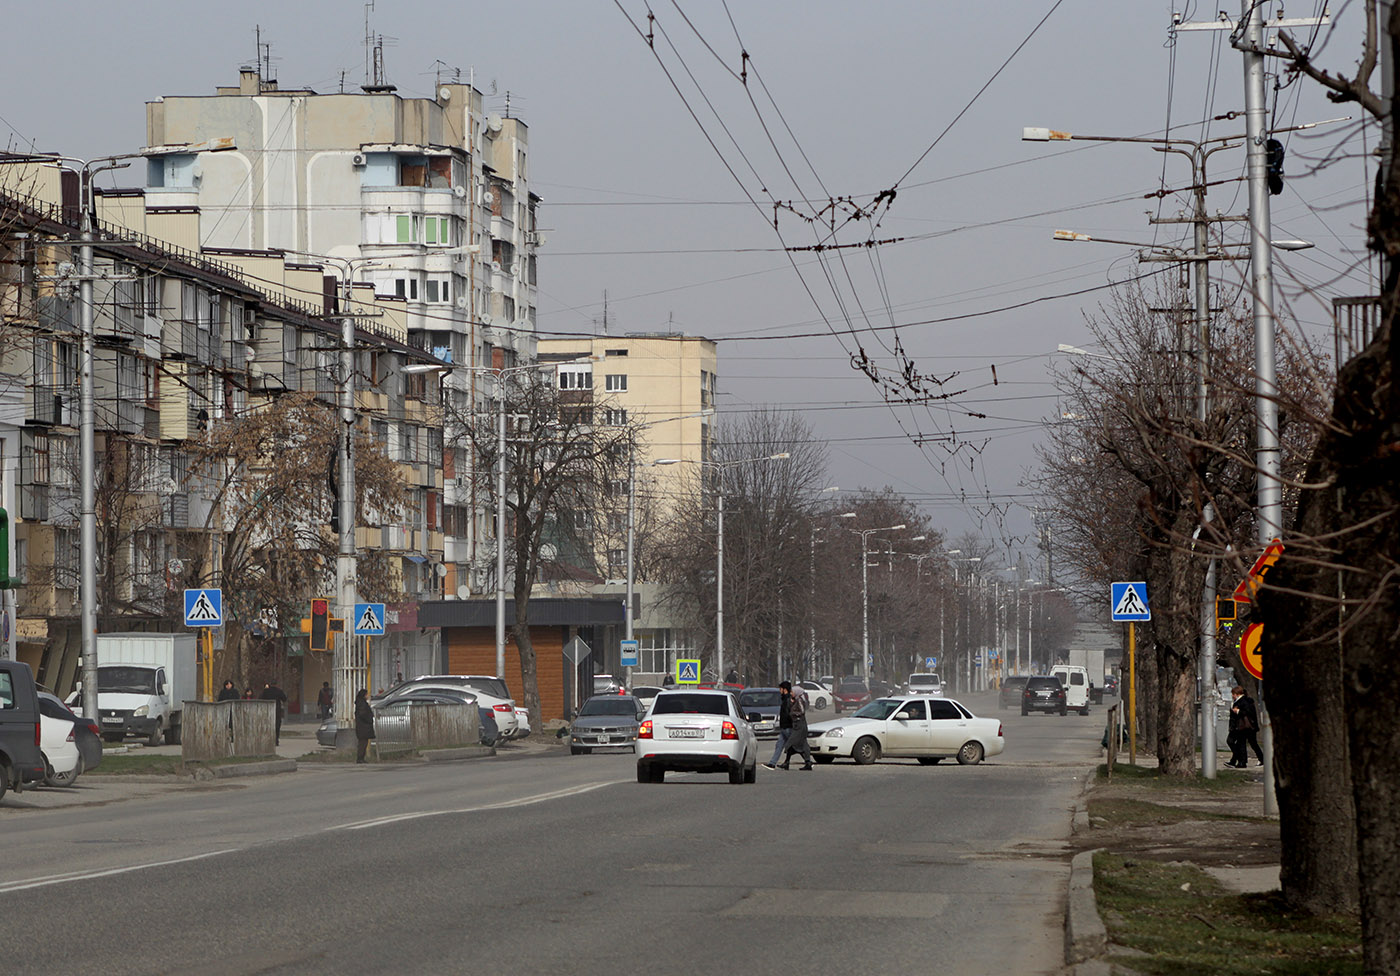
(7, 691)
(852, 688)
(610, 705)
(1043, 683)
(682, 704)
(760, 699)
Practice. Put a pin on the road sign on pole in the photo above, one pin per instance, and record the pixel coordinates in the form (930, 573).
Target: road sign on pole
(930, 662)
(687, 671)
(629, 653)
(204, 608)
(1129, 601)
(1252, 650)
(1244, 593)
(369, 620)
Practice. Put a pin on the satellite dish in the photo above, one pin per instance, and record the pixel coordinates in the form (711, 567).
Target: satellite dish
(464, 591)
(494, 122)
(444, 93)
(440, 569)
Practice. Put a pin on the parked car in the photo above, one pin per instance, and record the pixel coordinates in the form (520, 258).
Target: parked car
(923, 683)
(884, 689)
(921, 727)
(605, 721)
(645, 694)
(490, 691)
(1012, 688)
(21, 759)
(58, 745)
(606, 684)
(817, 693)
(1043, 693)
(87, 736)
(766, 702)
(522, 722)
(1110, 685)
(488, 732)
(851, 694)
(696, 731)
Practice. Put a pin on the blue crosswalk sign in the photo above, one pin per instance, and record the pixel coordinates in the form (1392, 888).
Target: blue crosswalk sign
(687, 672)
(930, 662)
(204, 608)
(1129, 601)
(369, 620)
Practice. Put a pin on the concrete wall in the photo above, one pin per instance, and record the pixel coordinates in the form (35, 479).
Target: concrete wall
(219, 730)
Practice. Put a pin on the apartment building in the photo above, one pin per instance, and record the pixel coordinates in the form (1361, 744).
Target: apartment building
(186, 343)
(428, 198)
(665, 385)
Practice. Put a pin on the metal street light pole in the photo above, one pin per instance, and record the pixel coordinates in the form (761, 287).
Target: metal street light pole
(865, 595)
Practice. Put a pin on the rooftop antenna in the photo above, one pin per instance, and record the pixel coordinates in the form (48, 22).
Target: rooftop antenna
(605, 311)
(369, 45)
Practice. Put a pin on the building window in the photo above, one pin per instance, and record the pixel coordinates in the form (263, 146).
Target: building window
(615, 352)
(406, 229)
(406, 288)
(575, 378)
(616, 383)
(39, 459)
(615, 418)
(617, 562)
(437, 230)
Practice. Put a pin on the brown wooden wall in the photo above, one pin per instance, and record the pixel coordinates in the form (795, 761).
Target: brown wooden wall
(472, 650)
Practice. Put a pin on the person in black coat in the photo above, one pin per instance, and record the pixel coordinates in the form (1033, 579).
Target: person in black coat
(273, 693)
(364, 724)
(1244, 729)
(229, 692)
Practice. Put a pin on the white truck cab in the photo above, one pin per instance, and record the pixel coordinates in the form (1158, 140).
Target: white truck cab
(1076, 684)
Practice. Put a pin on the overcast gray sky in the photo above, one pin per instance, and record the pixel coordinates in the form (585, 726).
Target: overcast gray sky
(673, 217)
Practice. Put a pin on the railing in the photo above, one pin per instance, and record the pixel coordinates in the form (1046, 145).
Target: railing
(408, 726)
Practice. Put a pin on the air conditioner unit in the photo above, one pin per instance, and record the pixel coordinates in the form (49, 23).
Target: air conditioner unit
(358, 159)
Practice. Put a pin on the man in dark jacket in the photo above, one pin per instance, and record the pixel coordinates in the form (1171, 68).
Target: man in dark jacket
(229, 692)
(797, 738)
(325, 699)
(1244, 729)
(784, 728)
(364, 724)
(271, 692)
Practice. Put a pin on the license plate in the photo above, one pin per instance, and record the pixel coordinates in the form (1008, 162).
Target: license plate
(687, 733)
(112, 721)
(603, 740)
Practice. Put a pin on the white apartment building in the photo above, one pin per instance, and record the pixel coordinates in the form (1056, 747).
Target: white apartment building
(428, 199)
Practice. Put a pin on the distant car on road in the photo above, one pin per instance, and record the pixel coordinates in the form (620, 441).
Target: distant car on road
(606, 684)
(645, 694)
(851, 694)
(817, 693)
(923, 683)
(918, 726)
(1012, 688)
(1043, 693)
(767, 702)
(696, 731)
(605, 721)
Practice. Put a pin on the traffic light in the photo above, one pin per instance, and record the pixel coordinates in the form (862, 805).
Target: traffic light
(1273, 165)
(1224, 609)
(320, 623)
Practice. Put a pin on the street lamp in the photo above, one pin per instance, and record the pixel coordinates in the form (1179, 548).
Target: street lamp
(865, 594)
(719, 545)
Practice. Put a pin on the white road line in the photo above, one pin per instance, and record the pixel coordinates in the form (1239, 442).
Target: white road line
(523, 801)
(104, 872)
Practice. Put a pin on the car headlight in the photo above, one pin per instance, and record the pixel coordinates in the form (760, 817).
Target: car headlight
(835, 733)
(141, 712)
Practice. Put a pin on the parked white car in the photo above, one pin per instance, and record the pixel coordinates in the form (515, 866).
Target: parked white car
(818, 694)
(490, 692)
(1076, 682)
(522, 721)
(917, 726)
(699, 731)
(60, 750)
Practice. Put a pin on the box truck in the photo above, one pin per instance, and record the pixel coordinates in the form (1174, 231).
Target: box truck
(143, 682)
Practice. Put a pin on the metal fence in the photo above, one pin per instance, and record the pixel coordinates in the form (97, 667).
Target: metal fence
(425, 725)
(219, 730)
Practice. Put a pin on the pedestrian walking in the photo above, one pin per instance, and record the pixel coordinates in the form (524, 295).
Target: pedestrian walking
(797, 738)
(784, 728)
(324, 700)
(1244, 729)
(229, 692)
(273, 693)
(364, 724)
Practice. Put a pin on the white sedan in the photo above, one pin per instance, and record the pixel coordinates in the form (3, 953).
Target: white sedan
(917, 726)
(697, 731)
(817, 693)
(59, 746)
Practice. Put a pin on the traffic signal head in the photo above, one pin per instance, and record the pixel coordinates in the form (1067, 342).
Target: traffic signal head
(320, 622)
(1273, 165)
(1224, 609)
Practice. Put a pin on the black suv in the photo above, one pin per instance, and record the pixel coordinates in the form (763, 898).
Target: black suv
(20, 759)
(1043, 694)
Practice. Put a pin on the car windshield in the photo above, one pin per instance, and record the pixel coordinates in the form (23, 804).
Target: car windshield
(879, 708)
(852, 688)
(610, 705)
(760, 699)
(923, 679)
(133, 681)
(681, 704)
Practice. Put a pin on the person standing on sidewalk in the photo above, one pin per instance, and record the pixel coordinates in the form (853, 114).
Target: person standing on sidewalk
(364, 724)
(273, 693)
(784, 726)
(325, 699)
(797, 738)
(1244, 729)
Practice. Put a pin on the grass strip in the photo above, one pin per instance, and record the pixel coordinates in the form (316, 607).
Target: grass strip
(1179, 920)
(135, 764)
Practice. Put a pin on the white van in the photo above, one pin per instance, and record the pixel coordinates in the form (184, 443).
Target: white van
(924, 684)
(1076, 684)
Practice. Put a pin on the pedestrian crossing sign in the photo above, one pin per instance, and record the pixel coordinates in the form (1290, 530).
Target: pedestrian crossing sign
(1129, 601)
(204, 608)
(687, 672)
(369, 620)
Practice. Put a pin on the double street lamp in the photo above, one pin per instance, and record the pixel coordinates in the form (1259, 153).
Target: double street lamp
(865, 590)
(719, 545)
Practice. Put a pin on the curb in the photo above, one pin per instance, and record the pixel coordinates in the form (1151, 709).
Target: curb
(461, 752)
(253, 769)
(1086, 938)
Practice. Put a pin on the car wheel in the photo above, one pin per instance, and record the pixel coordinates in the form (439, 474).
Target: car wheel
(1084, 710)
(736, 775)
(865, 751)
(821, 703)
(658, 775)
(172, 735)
(156, 736)
(970, 754)
(62, 779)
(643, 774)
(1025, 710)
(930, 760)
(1062, 710)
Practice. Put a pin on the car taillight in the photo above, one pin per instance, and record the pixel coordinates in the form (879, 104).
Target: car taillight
(644, 730)
(1000, 733)
(728, 731)
(92, 727)
(37, 740)
(70, 736)
(503, 708)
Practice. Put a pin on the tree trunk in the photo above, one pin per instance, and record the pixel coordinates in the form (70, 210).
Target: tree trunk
(529, 675)
(1176, 604)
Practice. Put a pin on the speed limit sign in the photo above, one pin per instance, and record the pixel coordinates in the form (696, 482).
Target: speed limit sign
(1252, 650)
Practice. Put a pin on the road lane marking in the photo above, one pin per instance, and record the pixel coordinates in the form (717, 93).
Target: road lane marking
(104, 872)
(523, 801)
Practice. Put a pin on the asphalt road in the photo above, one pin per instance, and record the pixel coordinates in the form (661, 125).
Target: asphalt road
(550, 863)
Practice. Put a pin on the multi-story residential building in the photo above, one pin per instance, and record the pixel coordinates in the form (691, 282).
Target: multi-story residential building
(430, 196)
(184, 340)
(664, 385)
